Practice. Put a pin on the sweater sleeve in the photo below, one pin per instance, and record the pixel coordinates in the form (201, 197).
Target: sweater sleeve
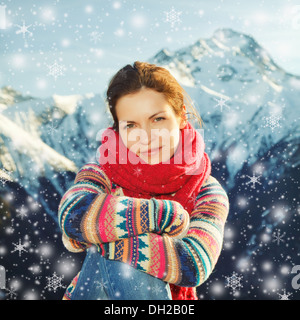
(188, 261)
(89, 213)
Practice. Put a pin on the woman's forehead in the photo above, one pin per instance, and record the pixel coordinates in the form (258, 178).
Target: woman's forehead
(141, 104)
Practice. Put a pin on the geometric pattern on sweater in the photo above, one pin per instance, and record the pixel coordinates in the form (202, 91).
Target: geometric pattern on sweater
(155, 236)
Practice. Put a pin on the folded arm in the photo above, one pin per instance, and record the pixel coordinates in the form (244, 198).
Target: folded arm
(89, 214)
(184, 262)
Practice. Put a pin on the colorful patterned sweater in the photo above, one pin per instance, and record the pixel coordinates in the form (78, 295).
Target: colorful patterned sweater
(158, 237)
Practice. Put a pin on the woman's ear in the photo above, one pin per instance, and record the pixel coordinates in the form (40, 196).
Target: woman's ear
(183, 120)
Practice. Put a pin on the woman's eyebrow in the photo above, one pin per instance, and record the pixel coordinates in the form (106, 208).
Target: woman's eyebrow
(149, 117)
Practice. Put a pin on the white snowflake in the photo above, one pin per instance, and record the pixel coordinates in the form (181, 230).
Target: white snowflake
(272, 121)
(11, 292)
(253, 180)
(172, 17)
(22, 212)
(102, 284)
(277, 237)
(54, 282)
(56, 70)
(52, 128)
(23, 29)
(284, 296)
(19, 247)
(221, 103)
(234, 281)
(95, 36)
(137, 171)
(156, 289)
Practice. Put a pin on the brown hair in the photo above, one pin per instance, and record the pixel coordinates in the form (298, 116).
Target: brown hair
(130, 79)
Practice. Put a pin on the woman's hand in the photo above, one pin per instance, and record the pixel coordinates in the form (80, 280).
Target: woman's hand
(171, 218)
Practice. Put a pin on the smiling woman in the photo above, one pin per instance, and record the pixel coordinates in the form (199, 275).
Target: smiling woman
(152, 228)
(151, 120)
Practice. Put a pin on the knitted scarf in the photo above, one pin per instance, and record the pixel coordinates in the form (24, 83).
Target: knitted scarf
(180, 178)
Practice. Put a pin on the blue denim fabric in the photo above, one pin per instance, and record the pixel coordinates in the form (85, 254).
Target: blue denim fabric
(102, 279)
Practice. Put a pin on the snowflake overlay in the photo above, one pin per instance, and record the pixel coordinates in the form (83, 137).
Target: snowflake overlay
(277, 237)
(272, 122)
(95, 36)
(137, 171)
(284, 296)
(19, 247)
(253, 180)
(11, 292)
(23, 29)
(56, 70)
(52, 128)
(54, 282)
(102, 284)
(233, 282)
(173, 17)
(222, 103)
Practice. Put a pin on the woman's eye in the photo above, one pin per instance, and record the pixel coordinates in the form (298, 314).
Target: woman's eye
(131, 124)
(127, 126)
(160, 118)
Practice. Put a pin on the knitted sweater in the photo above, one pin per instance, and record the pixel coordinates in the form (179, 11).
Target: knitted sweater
(155, 236)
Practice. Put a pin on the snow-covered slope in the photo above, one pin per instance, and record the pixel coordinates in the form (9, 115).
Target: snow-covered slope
(39, 137)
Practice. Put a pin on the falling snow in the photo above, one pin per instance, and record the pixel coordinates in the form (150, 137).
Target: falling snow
(53, 74)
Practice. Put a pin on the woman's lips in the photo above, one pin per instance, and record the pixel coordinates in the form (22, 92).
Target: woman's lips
(152, 151)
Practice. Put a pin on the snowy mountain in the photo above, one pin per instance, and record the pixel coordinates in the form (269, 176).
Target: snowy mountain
(250, 109)
(40, 136)
(247, 102)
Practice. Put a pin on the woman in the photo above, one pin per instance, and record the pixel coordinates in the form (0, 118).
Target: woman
(149, 214)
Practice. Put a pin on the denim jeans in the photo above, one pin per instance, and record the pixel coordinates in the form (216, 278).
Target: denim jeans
(102, 279)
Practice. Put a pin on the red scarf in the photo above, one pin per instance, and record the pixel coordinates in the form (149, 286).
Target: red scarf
(183, 175)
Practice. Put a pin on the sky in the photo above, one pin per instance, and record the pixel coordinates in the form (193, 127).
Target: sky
(74, 47)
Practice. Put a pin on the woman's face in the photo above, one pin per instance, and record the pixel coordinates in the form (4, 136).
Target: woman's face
(148, 125)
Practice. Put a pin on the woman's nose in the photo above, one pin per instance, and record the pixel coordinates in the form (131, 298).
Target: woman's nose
(146, 135)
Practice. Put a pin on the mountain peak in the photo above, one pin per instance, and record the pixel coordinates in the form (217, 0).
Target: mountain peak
(234, 52)
(227, 33)
(231, 38)
(163, 55)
